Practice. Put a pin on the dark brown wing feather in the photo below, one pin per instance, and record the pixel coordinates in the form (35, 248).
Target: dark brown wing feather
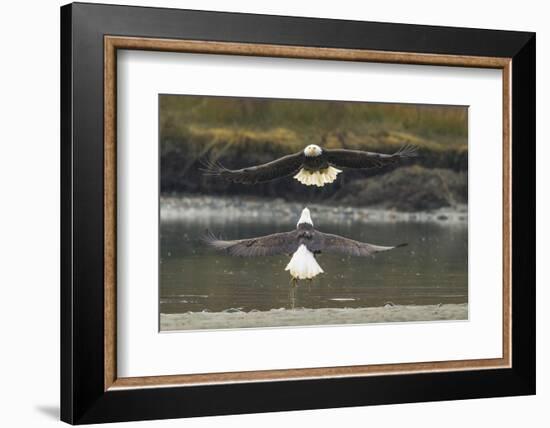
(328, 243)
(270, 245)
(360, 159)
(273, 170)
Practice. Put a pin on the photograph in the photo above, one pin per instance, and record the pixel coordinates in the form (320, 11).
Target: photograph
(262, 211)
(294, 213)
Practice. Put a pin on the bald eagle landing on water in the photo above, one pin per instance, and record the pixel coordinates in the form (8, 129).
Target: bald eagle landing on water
(314, 166)
(303, 244)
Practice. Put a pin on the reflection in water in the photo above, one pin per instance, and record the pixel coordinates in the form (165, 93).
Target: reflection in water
(292, 297)
(194, 278)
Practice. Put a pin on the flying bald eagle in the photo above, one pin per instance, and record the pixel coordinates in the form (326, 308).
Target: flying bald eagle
(314, 166)
(303, 243)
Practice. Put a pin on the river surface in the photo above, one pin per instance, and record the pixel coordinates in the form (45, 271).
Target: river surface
(432, 269)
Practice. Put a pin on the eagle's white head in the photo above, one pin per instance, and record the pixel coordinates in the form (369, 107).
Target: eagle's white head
(305, 217)
(313, 150)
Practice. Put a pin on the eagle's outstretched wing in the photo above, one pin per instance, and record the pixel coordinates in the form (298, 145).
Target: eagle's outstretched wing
(328, 243)
(278, 168)
(269, 245)
(359, 159)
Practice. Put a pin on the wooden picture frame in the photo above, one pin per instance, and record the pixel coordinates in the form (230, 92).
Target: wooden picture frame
(91, 390)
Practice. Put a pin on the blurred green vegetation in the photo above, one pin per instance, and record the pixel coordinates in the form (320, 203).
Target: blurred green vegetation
(294, 123)
(246, 131)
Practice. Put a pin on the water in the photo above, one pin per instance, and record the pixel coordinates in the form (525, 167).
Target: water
(433, 269)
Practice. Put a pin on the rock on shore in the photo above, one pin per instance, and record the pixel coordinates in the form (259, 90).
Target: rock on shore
(269, 210)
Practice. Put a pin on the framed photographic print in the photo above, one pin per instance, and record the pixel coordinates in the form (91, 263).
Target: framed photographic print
(265, 213)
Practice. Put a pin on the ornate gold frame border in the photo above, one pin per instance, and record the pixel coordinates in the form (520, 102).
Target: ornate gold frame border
(113, 43)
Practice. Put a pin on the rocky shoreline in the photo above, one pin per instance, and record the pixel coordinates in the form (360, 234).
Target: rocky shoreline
(269, 210)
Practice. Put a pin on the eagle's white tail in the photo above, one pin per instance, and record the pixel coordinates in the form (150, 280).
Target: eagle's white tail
(303, 265)
(317, 178)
